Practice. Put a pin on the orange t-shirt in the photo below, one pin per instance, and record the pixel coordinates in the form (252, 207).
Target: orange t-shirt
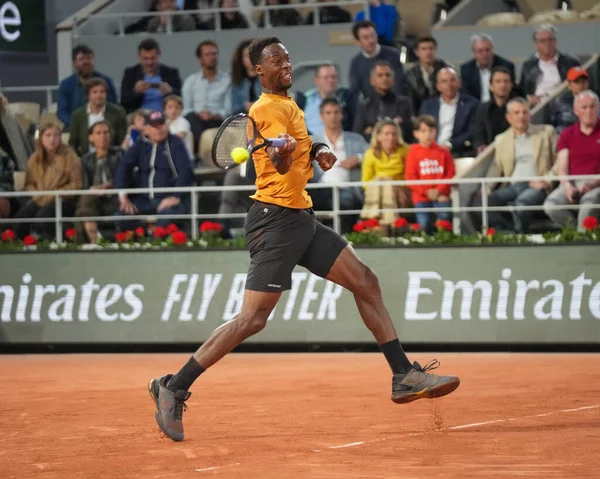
(273, 115)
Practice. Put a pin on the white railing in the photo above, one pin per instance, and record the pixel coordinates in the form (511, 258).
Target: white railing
(79, 23)
(335, 213)
(48, 89)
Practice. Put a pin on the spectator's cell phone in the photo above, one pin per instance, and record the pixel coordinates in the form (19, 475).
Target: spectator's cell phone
(154, 85)
(134, 135)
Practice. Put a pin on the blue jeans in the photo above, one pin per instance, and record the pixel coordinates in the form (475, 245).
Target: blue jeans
(147, 206)
(517, 194)
(426, 220)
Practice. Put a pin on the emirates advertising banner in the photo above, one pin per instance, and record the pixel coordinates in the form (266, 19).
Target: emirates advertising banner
(517, 294)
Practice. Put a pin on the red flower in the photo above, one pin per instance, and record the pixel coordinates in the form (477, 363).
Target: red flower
(139, 231)
(443, 225)
(179, 237)
(71, 233)
(359, 227)
(401, 223)
(490, 232)
(159, 232)
(8, 235)
(218, 227)
(120, 237)
(415, 227)
(590, 223)
(371, 223)
(29, 240)
(171, 228)
(206, 227)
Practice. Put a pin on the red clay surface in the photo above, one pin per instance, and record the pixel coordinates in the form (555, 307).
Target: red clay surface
(300, 416)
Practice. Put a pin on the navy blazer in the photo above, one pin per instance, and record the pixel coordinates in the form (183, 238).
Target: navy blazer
(471, 81)
(462, 136)
(130, 99)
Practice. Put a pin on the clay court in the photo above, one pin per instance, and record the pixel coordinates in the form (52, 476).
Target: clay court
(299, 416)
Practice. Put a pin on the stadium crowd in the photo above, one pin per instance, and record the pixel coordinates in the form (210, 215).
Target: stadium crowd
(389, 124)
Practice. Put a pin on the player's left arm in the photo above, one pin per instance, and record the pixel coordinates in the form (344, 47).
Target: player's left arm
(323, 155)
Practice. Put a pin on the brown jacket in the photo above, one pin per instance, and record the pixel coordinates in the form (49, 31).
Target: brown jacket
(543, 145)
(64, 173)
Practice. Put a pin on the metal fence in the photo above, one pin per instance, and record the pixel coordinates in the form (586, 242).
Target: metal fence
(122, 17)
(335, 213)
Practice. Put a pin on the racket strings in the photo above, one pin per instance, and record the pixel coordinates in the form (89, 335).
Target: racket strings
(235, 134)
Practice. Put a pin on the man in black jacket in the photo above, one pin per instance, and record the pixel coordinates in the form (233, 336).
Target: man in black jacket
(146, 84)
(476, 73)
(419, 81)
(384, 103)
(547, 68)
(490, 118)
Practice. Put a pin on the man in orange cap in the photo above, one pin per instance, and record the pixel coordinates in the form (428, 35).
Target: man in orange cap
(560, 112)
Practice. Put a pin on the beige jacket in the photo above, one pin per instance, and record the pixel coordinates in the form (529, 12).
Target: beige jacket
(543, 145)
(64, 173)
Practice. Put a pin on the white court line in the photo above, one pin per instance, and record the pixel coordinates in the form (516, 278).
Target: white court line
(466, 426)
(451, 428)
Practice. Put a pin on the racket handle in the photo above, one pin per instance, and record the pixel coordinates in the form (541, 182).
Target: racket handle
(277, 142)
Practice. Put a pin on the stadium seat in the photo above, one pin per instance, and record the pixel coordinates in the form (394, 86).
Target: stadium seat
(592, 13)
(19, 180)
(554, 16)
(65, 137)
(502, 20)
(30, 109)
(205, 146)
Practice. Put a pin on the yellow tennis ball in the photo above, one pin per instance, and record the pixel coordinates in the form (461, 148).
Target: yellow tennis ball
(239, 155)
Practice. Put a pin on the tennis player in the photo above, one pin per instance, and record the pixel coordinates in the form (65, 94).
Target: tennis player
(282, 232)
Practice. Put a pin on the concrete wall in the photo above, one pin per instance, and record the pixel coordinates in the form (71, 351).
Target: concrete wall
(305, 43)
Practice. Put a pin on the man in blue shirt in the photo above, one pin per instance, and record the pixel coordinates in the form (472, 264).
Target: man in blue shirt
(71, 92)
(385, 17)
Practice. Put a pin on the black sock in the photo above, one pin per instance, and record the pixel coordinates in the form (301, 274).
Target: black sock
(186, 376)
(396, 357)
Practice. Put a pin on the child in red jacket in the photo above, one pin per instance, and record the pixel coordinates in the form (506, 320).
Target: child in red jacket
(429, 161)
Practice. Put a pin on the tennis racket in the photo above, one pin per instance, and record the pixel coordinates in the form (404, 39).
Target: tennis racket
(239, 131)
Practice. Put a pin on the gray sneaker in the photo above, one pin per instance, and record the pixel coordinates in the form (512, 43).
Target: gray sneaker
(418, 384)
(169, 407)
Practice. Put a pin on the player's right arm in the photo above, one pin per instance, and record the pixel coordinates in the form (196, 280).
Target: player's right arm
(282, 157)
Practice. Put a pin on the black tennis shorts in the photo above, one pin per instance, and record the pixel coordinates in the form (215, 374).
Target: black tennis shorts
(280, 238)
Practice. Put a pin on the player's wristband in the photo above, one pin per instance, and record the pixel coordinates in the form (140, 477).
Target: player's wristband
(315, 150)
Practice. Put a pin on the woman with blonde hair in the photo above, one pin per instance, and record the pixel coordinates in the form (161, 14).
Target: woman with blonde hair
(384, 161)
(53, 166)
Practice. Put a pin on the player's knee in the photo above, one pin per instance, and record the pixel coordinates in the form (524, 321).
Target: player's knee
(367, 283)
(254, 322)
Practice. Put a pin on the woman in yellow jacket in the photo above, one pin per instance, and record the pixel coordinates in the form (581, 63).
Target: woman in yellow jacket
(53, 166)
(385, 160)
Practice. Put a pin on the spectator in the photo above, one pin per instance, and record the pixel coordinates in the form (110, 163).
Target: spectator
(419, 81)
(206, 93)
(523, 150)
(204, 21)
(476, 73)
(97, 109)
(490, 118)
(179, 23)
(326, 80)
(178, 125)
(71, 91)
(146, 84)
(578, 154)
(385, 161)
(371, 52)
(283, 17)
(428, 161)
(384, 103)
(547, 68)
(385, 17)
(330, 14)
(245, 86)
(53, 166)
(162, 161)
(454, 113)
(97, 172)
(348, 148)
(13, 139)
(7, 169)
(137, 123)
(561, 114)
(231, 20)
